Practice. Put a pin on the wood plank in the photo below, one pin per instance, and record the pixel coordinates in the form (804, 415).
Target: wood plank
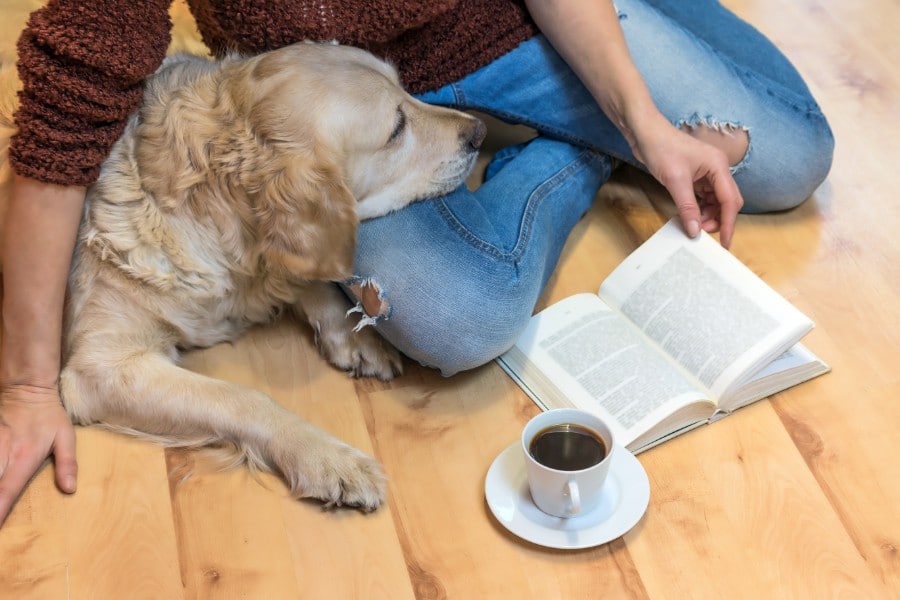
(269, 544)
(232, 540)
(437, 443)
(845, 424)
(738, 497)
(105, 541)
(33, 544)
(119, 538)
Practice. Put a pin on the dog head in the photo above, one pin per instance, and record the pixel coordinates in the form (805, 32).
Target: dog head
(302, 142)
(390, 148)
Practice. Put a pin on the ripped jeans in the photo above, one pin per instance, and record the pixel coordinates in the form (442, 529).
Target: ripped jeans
(459, 276)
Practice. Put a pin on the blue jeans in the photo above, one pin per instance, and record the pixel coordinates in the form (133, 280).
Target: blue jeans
(460, 275)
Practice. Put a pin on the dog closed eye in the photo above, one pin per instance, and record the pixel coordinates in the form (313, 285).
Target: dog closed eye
(399, 127)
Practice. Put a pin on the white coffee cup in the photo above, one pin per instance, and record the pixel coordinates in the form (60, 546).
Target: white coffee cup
(567, 475)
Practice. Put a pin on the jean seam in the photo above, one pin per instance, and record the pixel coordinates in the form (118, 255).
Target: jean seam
(810, 108)
(459, 94)
(534, 201)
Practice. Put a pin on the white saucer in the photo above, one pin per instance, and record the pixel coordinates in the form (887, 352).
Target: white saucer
(625, 496)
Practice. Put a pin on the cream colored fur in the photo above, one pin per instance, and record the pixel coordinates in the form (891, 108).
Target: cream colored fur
(235, 192)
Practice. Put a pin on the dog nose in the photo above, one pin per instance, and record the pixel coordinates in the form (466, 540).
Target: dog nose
(476, 134)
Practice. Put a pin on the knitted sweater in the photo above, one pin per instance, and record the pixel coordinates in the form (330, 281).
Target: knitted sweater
(83, 64)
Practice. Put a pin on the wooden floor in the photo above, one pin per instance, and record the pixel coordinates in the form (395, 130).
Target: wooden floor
(794, 497)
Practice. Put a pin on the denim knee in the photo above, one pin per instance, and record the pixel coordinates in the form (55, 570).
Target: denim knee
(777, 179)
(457, 330)
(470, 346)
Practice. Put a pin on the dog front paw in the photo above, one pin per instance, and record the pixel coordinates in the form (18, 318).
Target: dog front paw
(337, 474)
(358, 481)
(361, 353)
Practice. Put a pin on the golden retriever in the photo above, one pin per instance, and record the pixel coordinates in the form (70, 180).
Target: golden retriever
(235, 192)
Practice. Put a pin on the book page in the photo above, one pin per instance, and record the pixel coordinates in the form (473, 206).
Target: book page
(796, 365)
(605, 365)
(703, 307)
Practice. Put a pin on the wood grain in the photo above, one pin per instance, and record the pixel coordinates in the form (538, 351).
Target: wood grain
(793, 497)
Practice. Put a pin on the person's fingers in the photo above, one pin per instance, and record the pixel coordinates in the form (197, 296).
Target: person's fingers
(730, 203)
(18, 472)
(681, 188)
(65, 464)
(709, 212)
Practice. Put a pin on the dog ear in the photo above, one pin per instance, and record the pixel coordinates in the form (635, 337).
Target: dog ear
(307, 221)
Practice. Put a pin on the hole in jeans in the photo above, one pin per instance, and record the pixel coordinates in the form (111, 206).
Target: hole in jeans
(370, 298)
(733, 140)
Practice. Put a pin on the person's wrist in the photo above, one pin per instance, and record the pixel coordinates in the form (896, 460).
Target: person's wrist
(647, 123)
(27, 361)
(639, 122)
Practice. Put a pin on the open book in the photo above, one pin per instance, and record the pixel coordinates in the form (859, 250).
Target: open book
(679, 335)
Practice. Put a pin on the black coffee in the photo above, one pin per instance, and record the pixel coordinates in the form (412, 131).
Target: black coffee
(567, 447)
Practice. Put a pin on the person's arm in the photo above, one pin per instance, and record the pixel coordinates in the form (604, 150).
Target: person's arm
(82, 68)
(41, 225)
(587, 35)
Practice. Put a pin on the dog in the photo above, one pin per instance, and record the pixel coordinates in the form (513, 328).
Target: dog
(235, 193)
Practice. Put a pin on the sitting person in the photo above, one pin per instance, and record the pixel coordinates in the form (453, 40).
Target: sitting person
(687, 91)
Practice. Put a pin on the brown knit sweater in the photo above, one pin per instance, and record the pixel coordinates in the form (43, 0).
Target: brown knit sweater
(83, 64)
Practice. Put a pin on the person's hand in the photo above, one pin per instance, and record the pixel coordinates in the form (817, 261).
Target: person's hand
(696, 174)
(33, 426)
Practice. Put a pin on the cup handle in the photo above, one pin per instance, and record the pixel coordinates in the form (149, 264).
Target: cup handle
(573, 498)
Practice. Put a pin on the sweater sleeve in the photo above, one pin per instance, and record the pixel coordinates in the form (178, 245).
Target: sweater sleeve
(82, 67)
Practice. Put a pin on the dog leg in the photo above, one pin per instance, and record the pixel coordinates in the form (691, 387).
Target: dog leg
(145, 392)
(362, 353)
